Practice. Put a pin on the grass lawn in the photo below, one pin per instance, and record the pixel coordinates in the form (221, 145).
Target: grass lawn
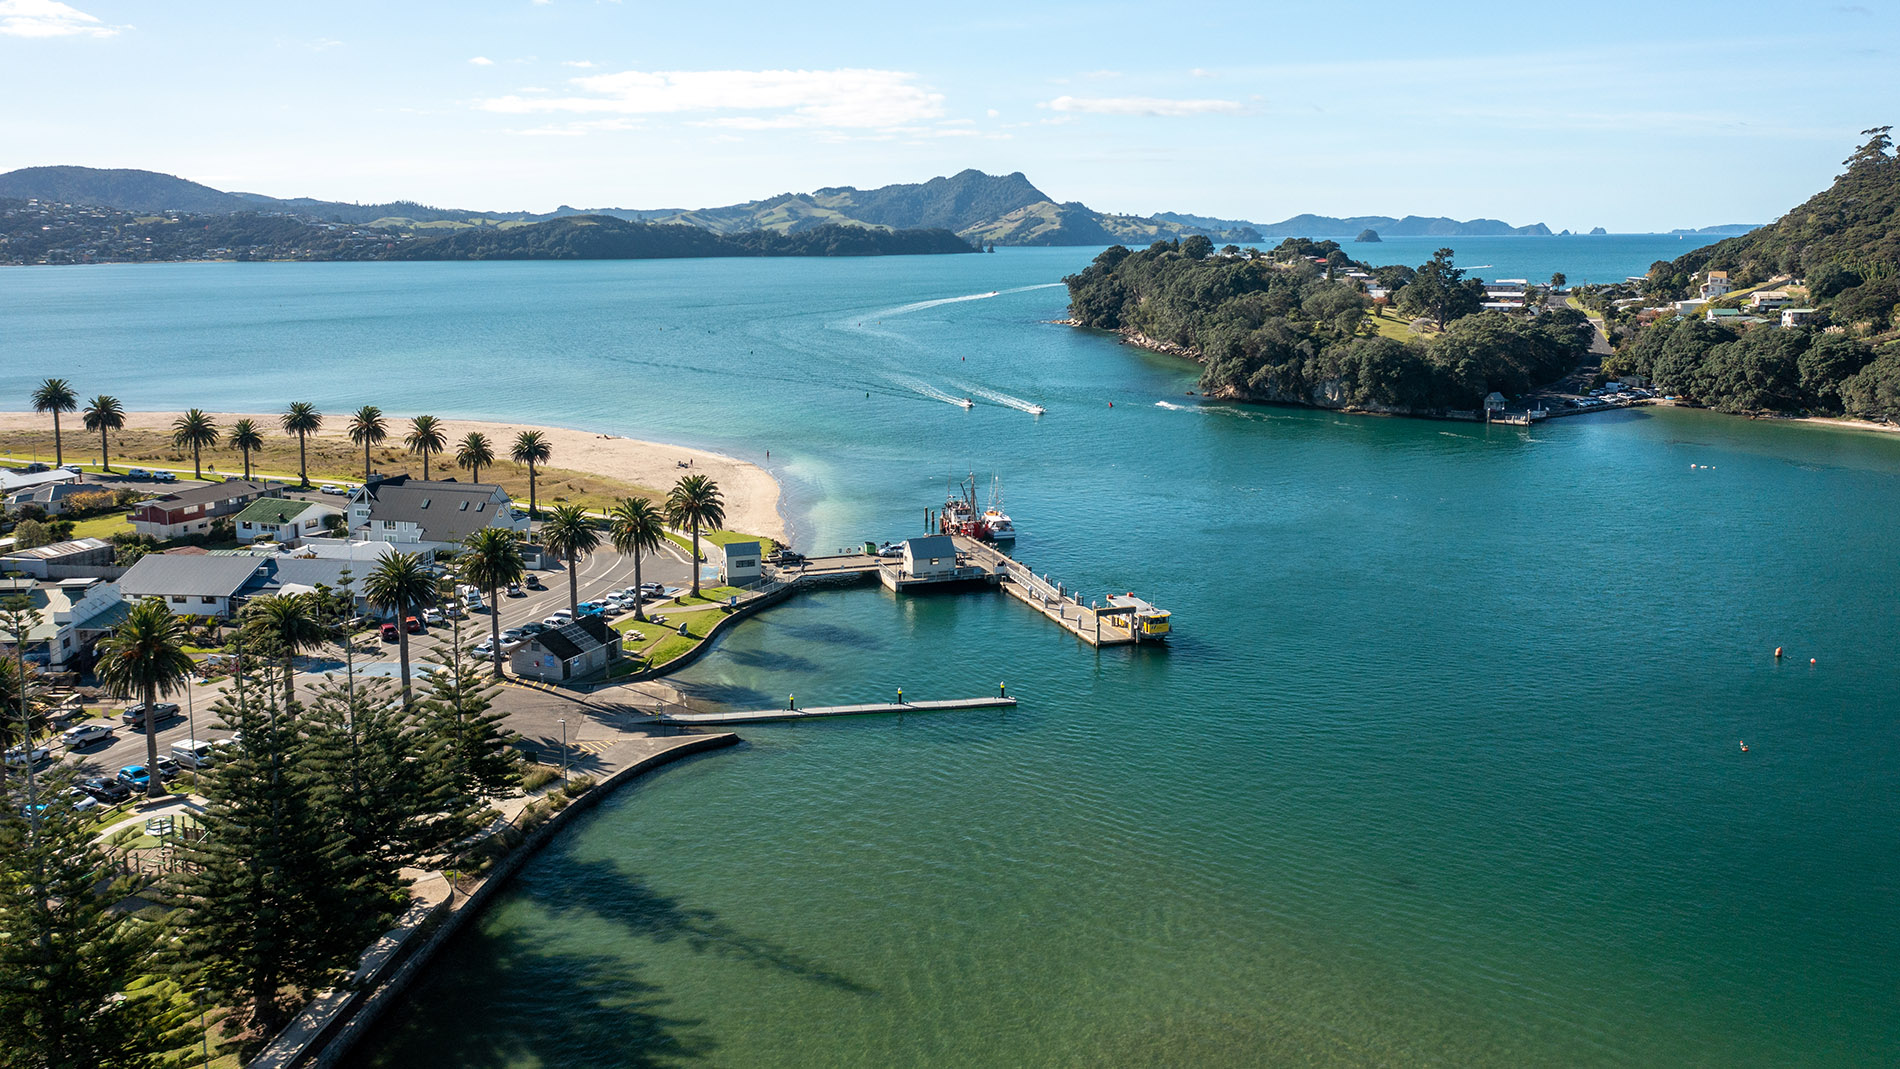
(101, 526)
(708, 595)
(1398, 328)
(663, 641)
(720, 538)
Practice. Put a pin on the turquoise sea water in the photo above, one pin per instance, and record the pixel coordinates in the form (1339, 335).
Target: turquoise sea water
(1441, 767)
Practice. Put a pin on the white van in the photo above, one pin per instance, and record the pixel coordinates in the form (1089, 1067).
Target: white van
(194, 753)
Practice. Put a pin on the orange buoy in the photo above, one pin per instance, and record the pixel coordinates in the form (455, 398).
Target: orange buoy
(1777, 653)
(1744, 747)
(1810, 660)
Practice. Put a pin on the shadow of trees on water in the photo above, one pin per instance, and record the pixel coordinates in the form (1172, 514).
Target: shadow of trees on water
(511, 992)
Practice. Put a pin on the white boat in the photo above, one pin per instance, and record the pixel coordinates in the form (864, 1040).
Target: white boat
(966, 403)
(1002, 529)
(1037, 410)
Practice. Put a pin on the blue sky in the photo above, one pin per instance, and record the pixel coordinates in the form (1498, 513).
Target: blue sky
(1633, 116)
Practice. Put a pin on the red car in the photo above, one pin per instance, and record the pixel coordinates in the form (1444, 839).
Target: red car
(389, 632)
(413, 625)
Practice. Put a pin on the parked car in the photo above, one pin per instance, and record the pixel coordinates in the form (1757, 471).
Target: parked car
(135, 777)
(137, 473)
(167, 768)
(332, 488)
(612, 608)
(515, 591)
(80, 800)
(558, 619)
(109, 791)
(482, 652)
(165, 476)
(652, 590)
(412, 625)
(389, 632)
(84, 735)
(534, 582)
(161, 712)
(513, 634)
(22, 756)
(434, 617)
(533, 629)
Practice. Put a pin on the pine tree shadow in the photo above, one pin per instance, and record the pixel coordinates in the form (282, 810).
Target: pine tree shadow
(502, 999)
(580, 892)
(783, 662)
(729, 695)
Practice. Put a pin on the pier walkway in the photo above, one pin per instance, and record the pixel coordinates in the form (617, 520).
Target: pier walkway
(1097, 627)
(816, 712)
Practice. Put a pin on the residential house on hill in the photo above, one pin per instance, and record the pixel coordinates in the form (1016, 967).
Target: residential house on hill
(437, 514)
(1715, 285)
(190, 511)
(51, 498)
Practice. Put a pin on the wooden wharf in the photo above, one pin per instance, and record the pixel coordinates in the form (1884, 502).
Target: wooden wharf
(980, 564)
(816, 712)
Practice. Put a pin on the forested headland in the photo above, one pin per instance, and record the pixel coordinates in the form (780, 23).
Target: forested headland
(1837, 255)
(1280, 327)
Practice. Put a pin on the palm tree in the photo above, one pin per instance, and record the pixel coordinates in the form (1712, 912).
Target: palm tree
(635, 527)
(290, 623)
(301, 419)
(474, 453)
(492, 561)
(426, 438)
(402, 585)
(695, 501)
(246, 439)
(570, 535)
(55, 396)
(196, 430)
(531, 448)
(104, 414)
(146, 656)
(368, 428)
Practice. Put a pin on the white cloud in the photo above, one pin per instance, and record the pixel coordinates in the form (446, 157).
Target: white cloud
(49, 18)
(582, 63)
(992, 113)
(765, 100)
(1142, 106)
(481, 61)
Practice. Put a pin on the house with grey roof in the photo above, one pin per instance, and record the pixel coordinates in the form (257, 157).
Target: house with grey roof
(434, 514)
(583, 648)
(73, 614)
(51, 498)
(200, 584)
(191, 510)
(81, 557)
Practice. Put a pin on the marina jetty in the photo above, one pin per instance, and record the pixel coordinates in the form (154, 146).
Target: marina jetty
(951, 563)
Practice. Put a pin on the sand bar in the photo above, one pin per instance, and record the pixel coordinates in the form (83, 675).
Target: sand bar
(751, 494)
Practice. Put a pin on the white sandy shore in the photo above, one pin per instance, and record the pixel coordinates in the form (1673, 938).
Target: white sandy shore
(751, 494)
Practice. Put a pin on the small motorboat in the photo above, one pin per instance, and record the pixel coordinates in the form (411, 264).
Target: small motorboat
(1037, 410)
(966, 403)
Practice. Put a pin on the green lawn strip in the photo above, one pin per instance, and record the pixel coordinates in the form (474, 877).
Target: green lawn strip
(720, 538)
(102, 526)
(709, 595)
(663, 642)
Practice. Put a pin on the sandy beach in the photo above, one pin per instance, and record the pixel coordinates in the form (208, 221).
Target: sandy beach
(751, 494)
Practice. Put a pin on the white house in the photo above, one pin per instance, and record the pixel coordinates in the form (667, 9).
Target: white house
(1796, 317)
(191, 584)
(438, 514)
(282, 519)
(1768, 300)
(73, 614)
(1715, 285)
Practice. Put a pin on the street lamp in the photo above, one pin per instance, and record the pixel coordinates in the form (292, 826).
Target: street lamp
(563, 754)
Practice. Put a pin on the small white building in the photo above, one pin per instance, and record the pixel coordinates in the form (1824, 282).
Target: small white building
(1796, 317)
(1715, 285)
(1768, 300)
(932, 556)
(743, 564)
(194, 584)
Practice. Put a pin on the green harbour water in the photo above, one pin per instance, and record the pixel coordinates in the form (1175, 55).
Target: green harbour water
(1442, 766)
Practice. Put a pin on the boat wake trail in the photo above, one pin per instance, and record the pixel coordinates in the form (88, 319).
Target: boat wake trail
(1172, 407)
(1003, 399)
(918, 306)
(927, 390)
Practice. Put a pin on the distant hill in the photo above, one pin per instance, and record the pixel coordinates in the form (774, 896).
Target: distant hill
(599, 237)
(995, 209)
(1723, 229)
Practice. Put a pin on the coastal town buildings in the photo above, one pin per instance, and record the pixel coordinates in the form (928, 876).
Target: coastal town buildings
(191, 511)
(436, 514)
